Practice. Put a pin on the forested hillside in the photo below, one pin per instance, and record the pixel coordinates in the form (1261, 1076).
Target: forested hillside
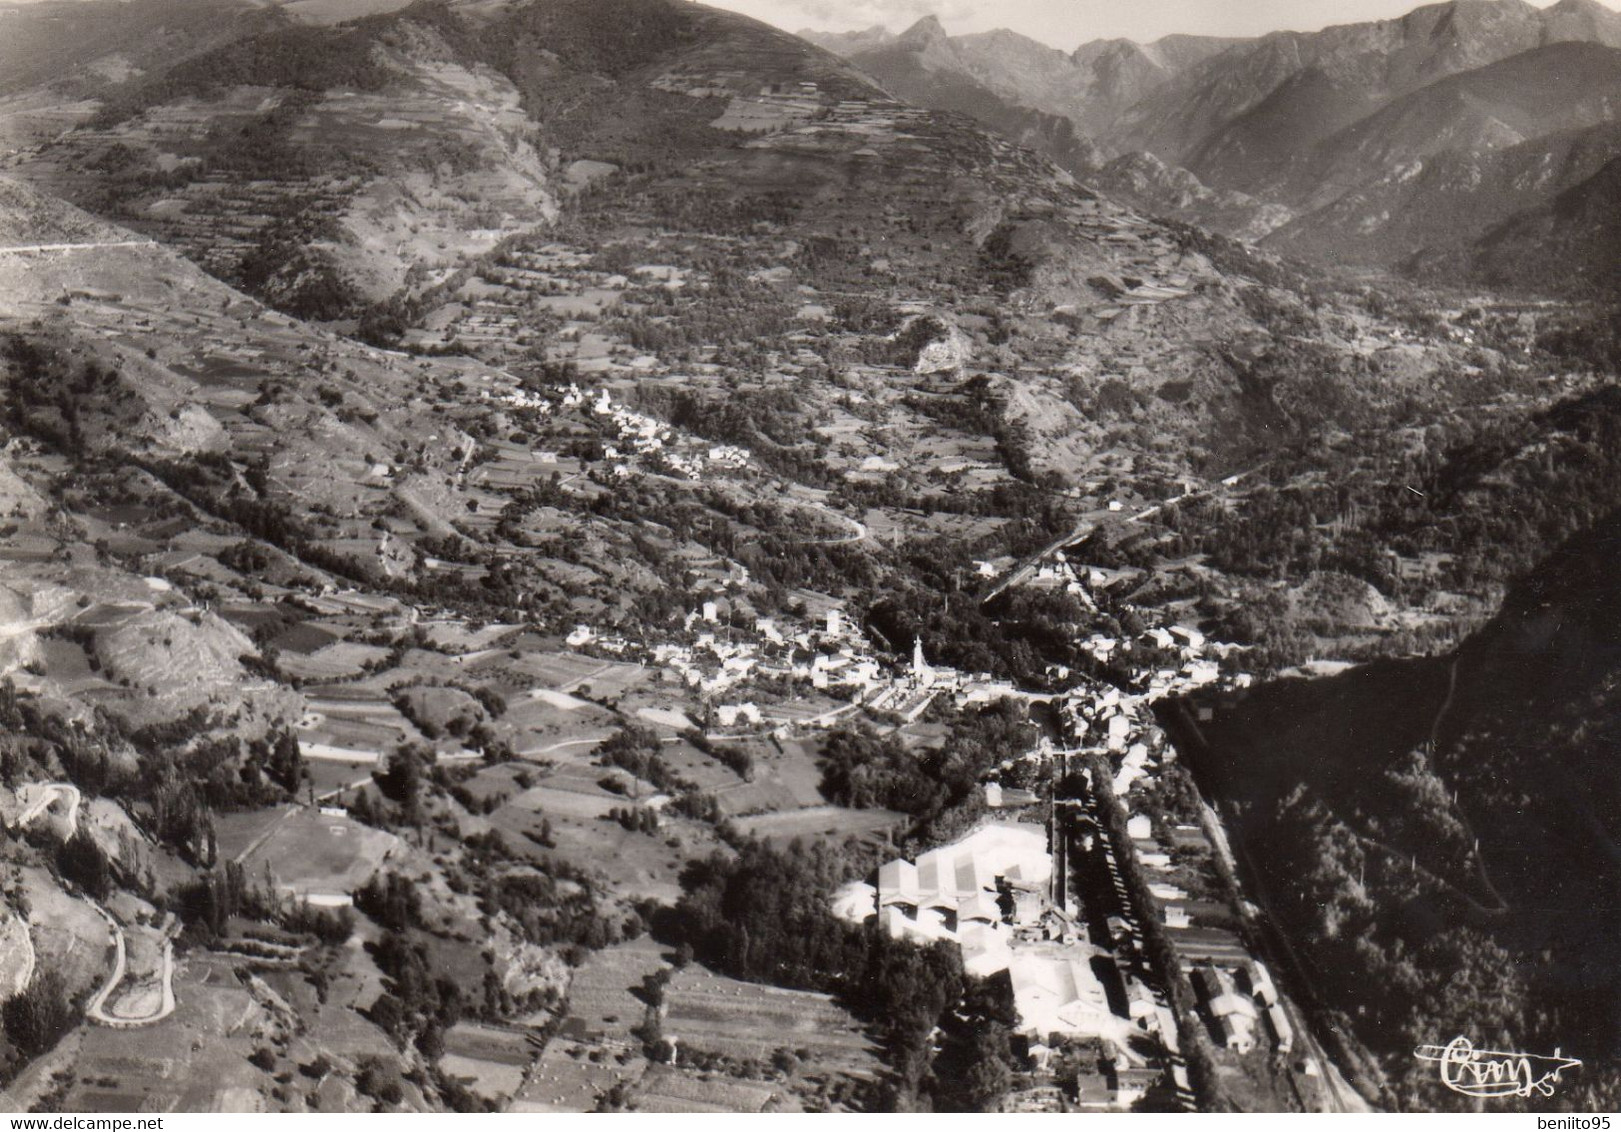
(1439, 836)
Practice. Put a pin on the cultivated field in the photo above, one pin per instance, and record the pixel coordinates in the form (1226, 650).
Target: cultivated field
(667, 1089)
(572, 1076)
(747, 1020)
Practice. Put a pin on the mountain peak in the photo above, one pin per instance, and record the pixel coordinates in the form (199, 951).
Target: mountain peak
(928, 41)
(926, 31)
(1582, 20)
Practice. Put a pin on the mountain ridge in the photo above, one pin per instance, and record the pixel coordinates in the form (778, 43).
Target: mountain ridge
(1293, 133)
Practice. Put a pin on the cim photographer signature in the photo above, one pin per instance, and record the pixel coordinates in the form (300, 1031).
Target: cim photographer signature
(1495, 1073)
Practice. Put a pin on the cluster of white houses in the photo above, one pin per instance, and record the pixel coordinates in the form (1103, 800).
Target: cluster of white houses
(640, 435)
(831, 655)
(1235, 992)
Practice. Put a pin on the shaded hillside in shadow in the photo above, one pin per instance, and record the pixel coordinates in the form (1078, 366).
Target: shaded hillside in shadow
(1440, 837)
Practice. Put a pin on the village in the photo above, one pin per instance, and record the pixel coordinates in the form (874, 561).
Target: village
(1045, 903)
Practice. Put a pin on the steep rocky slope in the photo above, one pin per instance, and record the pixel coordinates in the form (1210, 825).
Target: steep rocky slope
(926, 67)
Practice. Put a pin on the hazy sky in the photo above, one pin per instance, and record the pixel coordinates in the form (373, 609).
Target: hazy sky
(1069, 23)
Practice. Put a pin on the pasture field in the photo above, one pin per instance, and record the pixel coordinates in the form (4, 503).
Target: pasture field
(602, 679)
(786, 777)
(363, 725)
(570, 1077)
(663, 717)
(666, 1088)
(632, 864)
(834, 822)
(711, 1012)
(310, 853)
(336, 1026)
(557, 670)
(599, 996)
(698, 768)
(327, 775)
(793, 763)
(617, 681)
(454, 636)
(568, 746)
(546, 724)
(572, 791)
(66, 663)
(334, 662)
(235, 833)
(493, 1061)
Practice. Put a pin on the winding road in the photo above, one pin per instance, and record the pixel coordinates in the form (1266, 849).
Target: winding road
(49, 793)
(1085, 527)
(97, 1010)
(859, 531)
(24, 973)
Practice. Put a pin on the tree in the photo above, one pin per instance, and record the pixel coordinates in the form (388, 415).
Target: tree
(38, 1017)
(286, 762)
(81, 861)
(401, 781)
(986, 1076)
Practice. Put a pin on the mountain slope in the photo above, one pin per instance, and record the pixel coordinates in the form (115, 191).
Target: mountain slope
(385, 170)
(1170, 191)
(1570, 245)
(1438, 168)
(1369, 63)
(1565, 86)
(1431, 208)
(1440, 859)
(1091, 85)
(1366, 135)
(928, 68)
(995, 77)
(93, 45)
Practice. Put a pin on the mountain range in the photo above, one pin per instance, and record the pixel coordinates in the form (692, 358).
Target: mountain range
(1362, 143)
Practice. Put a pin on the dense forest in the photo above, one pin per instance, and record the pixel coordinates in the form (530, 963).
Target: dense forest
(1441, 859)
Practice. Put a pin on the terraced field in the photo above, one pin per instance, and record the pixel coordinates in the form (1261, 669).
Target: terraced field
(747, 1020)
